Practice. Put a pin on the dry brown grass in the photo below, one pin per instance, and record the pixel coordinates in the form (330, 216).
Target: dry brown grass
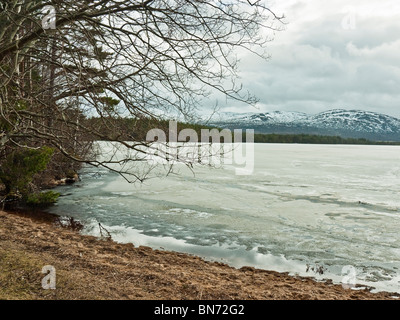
(90, 268)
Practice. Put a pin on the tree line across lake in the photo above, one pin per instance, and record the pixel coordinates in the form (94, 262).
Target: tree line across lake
(316, 139)
(137, 129)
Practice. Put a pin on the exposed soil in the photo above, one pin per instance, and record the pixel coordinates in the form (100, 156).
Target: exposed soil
(92, 268)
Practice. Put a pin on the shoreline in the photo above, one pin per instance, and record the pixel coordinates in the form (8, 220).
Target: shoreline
(93, 268)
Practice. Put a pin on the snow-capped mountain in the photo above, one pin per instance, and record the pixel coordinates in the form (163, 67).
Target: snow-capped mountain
(258, 118)
(345, 123)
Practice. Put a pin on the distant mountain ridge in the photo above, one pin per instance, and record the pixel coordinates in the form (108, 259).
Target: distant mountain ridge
(338, 122)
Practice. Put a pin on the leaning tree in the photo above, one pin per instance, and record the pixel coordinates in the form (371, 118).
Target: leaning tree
(65, 62)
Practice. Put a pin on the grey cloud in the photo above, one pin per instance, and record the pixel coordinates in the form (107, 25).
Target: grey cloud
(316, 65)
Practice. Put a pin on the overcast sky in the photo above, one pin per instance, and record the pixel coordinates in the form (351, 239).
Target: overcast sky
(333, 54)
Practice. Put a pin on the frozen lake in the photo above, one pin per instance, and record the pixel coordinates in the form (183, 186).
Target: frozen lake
(319, 205)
